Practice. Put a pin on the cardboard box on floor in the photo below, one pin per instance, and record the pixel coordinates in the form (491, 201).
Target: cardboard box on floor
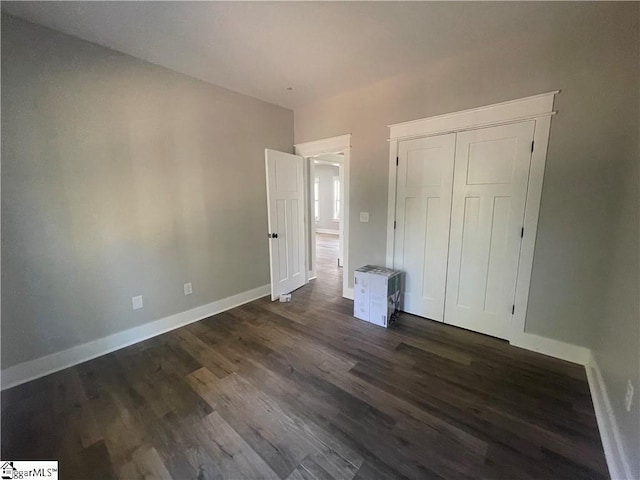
(376, 294)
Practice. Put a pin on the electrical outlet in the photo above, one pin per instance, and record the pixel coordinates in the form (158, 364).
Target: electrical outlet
(136, 302)
(364, 217)
(188, 288)
(628, 398)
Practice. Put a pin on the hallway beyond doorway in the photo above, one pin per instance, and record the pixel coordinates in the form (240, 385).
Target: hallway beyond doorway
(328, 273)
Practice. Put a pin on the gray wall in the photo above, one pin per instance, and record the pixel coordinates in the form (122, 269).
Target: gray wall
(326, 173)
(121, 178)
(617, 344)
(590, 52)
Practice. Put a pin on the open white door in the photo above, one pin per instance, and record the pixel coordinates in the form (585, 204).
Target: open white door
(285, 209)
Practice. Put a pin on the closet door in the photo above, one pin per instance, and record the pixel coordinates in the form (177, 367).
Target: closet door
(490, 186)
(423, 208)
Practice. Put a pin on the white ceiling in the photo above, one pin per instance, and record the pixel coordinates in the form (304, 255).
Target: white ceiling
(318, 48)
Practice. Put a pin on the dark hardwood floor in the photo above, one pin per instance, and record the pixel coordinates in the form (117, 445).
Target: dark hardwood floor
(303, 390)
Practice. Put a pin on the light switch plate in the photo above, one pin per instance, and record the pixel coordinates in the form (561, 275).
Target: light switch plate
(188, 288)
(136, 302)
(364, 217)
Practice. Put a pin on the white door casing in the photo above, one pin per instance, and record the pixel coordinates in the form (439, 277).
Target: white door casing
(423, 208)
(341, 222)
(285, 212)
(489, 194)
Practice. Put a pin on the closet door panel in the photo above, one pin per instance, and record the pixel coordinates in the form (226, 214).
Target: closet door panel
(423, 209)
(489, 192)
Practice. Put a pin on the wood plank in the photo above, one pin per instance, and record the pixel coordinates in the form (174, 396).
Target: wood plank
(236, 459)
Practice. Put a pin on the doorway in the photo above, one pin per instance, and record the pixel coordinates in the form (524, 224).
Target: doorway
(327, 202)
(326, 172)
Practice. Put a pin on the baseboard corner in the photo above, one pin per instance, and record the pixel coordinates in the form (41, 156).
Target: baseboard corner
(553, 348)
(617, 461)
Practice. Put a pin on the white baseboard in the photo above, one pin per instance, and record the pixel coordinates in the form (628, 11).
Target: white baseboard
(39, 367)
(619, 467)
(617, 461)
(553, 348)
(348, 293)
(327, 230)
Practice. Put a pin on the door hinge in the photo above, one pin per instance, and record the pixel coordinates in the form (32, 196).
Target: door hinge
(394, 224)
(513, 309)
(532, 146)
(522, 232)
(397, 161)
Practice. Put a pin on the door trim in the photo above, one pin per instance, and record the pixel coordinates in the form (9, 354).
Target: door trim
(538, 108)
(340, 144)
(512, 111)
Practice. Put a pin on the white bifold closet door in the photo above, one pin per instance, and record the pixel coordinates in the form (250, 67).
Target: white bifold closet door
(460, 202)
(423, 208)
(489, 192)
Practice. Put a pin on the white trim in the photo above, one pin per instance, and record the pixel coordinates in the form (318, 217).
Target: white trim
(326, 145)
(348, 293)
(323, 162)
(344, 210)
(328, 231)
(617, 461)
(553, 348)
(339, 144)
(391, 202)
(540, 109)
(309, 213)
(531, 215)
(512, 111)
(336, 197)
(39, 367)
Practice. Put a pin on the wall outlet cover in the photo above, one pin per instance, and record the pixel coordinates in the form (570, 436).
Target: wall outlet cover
(136, 302)
(364, 216)
(188, 288)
